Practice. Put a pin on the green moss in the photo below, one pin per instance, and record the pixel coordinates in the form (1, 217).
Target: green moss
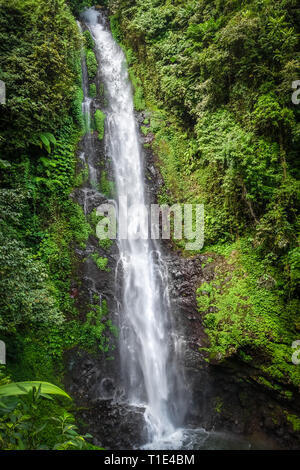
(101, 89)
(97, 331)
(106, 244)
(244, 356)
(99, 123)
(77, 107)
(115, 27)
(93, 220)
(203, 301)
(138, 97)
(106, 186)
(42, 162)
(145, 130)
(266, 383)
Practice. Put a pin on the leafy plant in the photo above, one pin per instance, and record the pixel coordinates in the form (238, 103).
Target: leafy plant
(47, 139)
(106, 186)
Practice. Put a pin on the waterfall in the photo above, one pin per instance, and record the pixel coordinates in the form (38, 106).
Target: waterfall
(149, 346)
(145, 339)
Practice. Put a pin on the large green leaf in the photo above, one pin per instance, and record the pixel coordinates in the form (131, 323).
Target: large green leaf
(21, 388)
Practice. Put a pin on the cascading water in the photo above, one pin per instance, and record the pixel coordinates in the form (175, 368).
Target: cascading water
(148, 342)
(144, 320)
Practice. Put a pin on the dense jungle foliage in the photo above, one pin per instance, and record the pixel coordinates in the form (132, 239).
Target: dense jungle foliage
(215, 79)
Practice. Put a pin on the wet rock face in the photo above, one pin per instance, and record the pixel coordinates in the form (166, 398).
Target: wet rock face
(119, 427)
